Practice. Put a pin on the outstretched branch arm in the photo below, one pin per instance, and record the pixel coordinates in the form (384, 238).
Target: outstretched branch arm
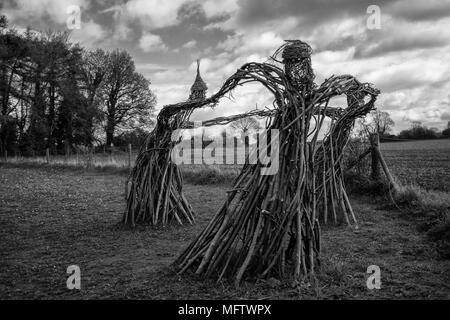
(355, 91)
(268, 75)
(227, 120)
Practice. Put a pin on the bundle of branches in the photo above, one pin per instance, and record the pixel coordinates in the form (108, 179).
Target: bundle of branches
(331, 191)
(154, 188)
(269, 223)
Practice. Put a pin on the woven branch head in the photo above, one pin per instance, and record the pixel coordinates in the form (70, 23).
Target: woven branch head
(297, 63)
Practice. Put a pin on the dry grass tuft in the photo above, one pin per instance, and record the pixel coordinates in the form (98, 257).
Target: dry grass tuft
(433, 207)
(423, 202)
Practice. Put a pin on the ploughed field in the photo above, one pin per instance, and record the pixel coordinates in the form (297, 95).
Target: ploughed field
(53, 218)
(425, 162)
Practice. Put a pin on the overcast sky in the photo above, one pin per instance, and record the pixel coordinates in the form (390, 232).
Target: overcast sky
(408, 58)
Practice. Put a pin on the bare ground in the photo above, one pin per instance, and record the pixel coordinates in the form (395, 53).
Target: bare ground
(53, 218)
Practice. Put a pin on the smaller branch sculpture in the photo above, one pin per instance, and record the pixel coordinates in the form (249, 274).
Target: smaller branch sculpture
(154, 188)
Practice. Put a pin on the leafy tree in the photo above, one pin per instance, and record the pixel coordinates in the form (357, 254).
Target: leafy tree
(74, 117)
(54, 94)
(13, 50)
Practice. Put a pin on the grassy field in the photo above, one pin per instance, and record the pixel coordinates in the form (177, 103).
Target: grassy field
(117, 161)
(52, 218)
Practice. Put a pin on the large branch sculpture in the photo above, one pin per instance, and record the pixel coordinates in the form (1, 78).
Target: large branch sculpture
(269, 224)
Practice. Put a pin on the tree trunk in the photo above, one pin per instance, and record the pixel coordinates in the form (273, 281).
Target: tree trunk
(110, 128)
(51, 116)
(38, 128)
(4, 108)
(3, 89)
(110, 121)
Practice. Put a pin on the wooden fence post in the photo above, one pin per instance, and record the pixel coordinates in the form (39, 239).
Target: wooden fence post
(377, 160)
(47, 155)
(6, 155)
(390, 178)
(375, 144)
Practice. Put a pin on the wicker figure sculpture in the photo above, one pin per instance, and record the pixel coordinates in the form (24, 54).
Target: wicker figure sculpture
(269, 224)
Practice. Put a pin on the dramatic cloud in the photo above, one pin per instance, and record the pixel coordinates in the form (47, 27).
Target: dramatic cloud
(151, 43)
(214, 8)
(408, 58)
(189, 45)
(419, 10)
(90, 35)
(40, 13)
(155, 13)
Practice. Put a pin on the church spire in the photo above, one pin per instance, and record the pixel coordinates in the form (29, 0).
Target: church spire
(199, 88)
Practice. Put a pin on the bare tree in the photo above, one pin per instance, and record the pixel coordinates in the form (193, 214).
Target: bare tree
(129, 102)
(377, 122)
(94, 70)
(446, 131)
(244, 125)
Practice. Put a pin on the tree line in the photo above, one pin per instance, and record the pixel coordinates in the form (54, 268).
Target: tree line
(380, 122)
(58, 95)
(419, 131)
